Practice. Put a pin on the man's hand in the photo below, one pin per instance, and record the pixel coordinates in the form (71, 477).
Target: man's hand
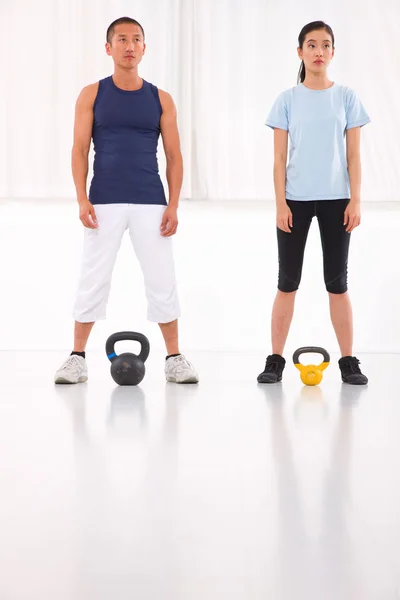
(87, 214)
(169, 223)
(352, 215)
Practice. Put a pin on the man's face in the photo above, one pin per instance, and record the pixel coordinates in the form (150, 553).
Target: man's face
(127, 46)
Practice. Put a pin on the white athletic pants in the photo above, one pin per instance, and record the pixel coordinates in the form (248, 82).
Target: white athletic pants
(154, 252)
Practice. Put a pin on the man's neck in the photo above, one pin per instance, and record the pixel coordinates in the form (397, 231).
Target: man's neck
(129, 81)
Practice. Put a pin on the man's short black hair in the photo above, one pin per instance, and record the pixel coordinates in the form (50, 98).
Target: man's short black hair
(121, 21)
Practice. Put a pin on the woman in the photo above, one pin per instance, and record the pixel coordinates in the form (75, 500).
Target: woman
(322, 179)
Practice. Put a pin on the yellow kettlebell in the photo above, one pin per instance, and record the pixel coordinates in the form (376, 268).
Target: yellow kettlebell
(311, 374)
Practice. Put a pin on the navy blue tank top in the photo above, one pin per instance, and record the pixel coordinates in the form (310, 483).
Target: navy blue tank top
(126, 130)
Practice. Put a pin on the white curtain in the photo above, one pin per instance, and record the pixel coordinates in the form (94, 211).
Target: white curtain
(223, 61)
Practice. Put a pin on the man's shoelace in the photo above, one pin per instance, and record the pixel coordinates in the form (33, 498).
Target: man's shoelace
(180, 363)
(71, 363)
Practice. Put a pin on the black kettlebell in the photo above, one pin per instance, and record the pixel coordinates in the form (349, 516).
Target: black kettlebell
(127, 368)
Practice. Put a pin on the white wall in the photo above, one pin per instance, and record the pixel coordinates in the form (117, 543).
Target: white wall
(224, 61)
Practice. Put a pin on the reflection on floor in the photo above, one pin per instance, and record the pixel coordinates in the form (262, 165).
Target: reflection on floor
(228, 489)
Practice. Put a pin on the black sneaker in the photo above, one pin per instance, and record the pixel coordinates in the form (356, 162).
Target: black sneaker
(273, 369)
(351, 372)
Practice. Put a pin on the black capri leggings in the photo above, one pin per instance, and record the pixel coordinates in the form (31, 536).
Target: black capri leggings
(335, 244)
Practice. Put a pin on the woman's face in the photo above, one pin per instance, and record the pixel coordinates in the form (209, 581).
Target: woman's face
(317, 51)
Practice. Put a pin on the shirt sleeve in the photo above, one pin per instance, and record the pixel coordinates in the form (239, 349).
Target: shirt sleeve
(356, 115)
(278, 116)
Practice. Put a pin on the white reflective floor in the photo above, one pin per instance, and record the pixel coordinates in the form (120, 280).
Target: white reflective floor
(225, 490)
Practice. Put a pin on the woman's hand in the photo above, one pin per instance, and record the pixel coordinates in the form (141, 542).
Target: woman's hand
(352, 215)
(284, 217)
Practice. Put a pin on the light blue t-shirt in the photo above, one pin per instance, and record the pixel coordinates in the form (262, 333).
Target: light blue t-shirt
(317, 121)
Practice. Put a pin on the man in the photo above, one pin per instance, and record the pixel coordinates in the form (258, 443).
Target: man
(125, 116)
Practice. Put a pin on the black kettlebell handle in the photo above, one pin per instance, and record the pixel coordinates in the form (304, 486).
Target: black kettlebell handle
(120, 336)
(309, 349)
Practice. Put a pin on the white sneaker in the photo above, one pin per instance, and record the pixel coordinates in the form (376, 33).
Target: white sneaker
(180, 370)
(74, 370)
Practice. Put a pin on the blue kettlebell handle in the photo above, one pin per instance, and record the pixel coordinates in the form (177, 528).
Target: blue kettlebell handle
(120, 336)
(309, 349)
